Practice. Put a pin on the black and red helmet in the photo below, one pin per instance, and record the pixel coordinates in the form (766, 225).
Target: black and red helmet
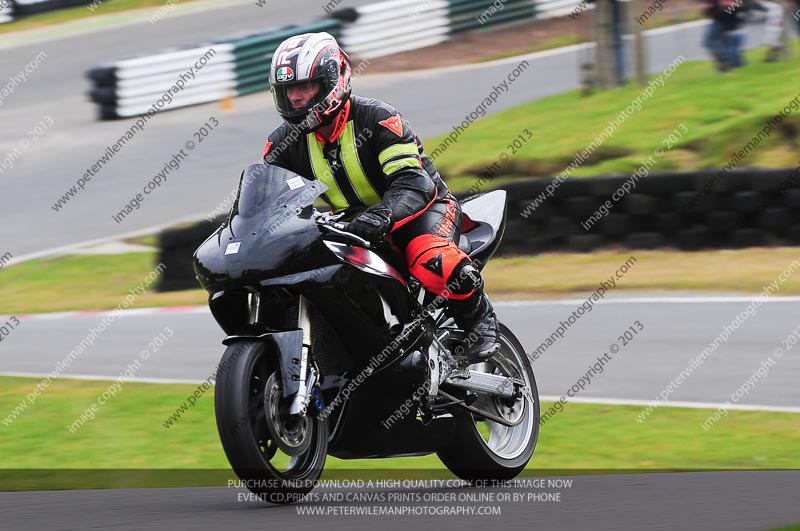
(306, 59)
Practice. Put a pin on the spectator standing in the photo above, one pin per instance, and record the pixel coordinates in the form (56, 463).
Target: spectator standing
(712, 39)
(723, 37)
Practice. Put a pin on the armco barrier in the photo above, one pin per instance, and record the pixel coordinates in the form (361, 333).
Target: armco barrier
(400, 25)
(6, 12)
(558, 8)
(395, 26)
(130, 87)
(467, 15)
(239, 65)
(746, 208)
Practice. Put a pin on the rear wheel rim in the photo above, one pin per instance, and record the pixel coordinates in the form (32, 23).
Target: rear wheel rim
(506, 442)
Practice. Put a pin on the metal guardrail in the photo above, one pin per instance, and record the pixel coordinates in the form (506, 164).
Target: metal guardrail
(559, 8)
(394, 26)
(6, 13)
(238, 66)
(129, 87)
(400, 25)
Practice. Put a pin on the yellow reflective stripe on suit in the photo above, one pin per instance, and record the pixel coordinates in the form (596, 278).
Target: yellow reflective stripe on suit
(352, 166)
(396, 150)
(393, 166)
(323, 173)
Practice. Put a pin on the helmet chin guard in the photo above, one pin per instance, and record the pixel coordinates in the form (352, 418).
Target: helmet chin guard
(304, 60)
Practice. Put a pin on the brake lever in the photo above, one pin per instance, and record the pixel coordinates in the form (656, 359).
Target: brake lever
(326, 217)
(337, 227)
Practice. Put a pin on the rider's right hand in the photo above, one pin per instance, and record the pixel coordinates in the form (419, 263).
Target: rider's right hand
(372, 224)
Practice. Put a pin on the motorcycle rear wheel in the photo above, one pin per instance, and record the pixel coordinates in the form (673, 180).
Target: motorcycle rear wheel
(487, 450)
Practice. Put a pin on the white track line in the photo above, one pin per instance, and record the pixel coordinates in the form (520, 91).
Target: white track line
(67, 249)
(692, 405)
(546, 398)
(100, 377)
(500, 304)
(134, 312)
(651, 300)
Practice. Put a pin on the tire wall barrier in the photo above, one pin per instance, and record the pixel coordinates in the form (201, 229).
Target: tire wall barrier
(746, 208)
(176, 252)
(688, 211)
(13, 9)
(240, 65)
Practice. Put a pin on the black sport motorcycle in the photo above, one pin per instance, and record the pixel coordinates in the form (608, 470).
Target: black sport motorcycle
(334, 349)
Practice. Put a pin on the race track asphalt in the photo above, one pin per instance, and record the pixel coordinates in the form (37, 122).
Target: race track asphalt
(674, 332)
(705, 501)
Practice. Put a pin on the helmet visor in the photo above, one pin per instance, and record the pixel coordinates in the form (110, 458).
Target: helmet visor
(293, 100)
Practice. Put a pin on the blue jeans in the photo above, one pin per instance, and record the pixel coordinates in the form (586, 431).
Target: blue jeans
(713, 39)
(732, 48)
(725, 46)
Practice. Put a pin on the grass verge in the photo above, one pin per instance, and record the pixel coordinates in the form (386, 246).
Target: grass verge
(128, 432)
(570, 39)
(721, 113)
(101, 282)
(558, 274)
(90, 282)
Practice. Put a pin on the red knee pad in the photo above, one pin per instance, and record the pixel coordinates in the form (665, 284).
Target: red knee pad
(432, 260)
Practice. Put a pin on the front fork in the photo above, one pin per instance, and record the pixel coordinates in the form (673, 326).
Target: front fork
(300, 400)
(302, 372)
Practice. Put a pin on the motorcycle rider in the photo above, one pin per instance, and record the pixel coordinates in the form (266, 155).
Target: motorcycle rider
(373, 164)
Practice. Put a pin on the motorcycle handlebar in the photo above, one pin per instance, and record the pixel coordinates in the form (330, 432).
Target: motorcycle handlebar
(337, 227)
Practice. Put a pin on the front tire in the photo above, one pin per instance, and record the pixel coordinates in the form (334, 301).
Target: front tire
(486, 450)
(249, 406)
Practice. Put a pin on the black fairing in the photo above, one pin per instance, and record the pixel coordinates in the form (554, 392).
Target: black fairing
(372, 427)
(252, 245)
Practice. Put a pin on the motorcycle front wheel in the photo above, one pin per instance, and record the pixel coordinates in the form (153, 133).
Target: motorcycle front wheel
(277, 456)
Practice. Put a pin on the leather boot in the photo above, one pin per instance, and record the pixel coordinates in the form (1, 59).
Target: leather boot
(480, 325)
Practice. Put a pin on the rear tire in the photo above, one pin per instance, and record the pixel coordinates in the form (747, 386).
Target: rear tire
(507, 451)
(244, 407)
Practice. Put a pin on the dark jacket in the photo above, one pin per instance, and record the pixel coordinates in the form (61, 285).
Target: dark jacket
(726, 11)
(375, 157)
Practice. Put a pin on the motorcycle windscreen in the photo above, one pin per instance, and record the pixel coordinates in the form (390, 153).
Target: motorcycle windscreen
(270, 194)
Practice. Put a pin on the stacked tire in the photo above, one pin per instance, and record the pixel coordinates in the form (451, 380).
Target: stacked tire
(689, 211)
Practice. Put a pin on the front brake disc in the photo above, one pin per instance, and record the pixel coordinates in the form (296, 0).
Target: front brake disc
(292, 433)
